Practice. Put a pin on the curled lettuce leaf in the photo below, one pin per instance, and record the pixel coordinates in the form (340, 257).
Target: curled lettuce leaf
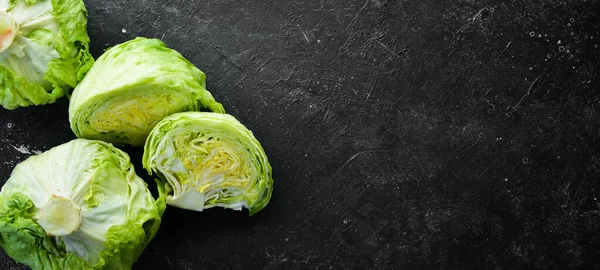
(206, 160)
(79, 205)
(131, 87)
(44, 50)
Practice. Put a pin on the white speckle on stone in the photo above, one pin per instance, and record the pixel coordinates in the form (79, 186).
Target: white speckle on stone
(9, 125)
(22, 149)
(505, 179)
(124, 30)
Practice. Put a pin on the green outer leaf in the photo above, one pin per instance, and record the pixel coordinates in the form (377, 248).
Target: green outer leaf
(72, 21)
(189, 122)
(13, 2)
(156, 80)
(26, 241)
(125, 243)
(72, 45)
(42, 36)
(16, 92)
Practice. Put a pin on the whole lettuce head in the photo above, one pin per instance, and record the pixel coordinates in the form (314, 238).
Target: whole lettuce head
(79, 205)
(131, 87)
(207, 159)
(43, 50)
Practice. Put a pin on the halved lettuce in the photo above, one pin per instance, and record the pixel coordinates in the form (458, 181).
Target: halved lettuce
(131, 87)
(43, 50)
(79, 205)
(207, 159)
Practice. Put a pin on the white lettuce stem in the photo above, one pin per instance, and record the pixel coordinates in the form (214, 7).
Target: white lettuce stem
(8, 30)
(60, 216)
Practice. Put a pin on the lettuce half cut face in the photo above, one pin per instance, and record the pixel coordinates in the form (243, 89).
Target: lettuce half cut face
(131, 87)
(79, 205)
(43, 50)
(207, 160)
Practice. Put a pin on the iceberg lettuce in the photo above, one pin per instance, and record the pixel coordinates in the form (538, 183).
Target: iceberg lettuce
(43, 50)
(79, 205)
(208, 159)
(131, 87)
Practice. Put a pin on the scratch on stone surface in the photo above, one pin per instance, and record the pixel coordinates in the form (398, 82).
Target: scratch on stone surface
(290, 75)
(461, 29)
(305, 37)
(373, 86)
(346, 129)
(168, 261)
(173, 33)
(220, 52)
(361, 49)
(478, 14)
(344, 48)
(348, 161)
(528, 91)
(167, 4)
(301, 122)
(326, 114)
(393, 52)
(290, 6)
(285, 79)
(240, 80)
(505, 48)
(357, 13)
(408, 21)
(487, 167)
(479, 99)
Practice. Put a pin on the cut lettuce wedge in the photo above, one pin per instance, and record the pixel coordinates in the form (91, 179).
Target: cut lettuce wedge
(207, 160)
(131, 87)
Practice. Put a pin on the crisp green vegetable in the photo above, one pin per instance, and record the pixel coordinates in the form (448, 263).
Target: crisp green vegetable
(206, 160)
(79, 205)
(131, 87)
(43, 50)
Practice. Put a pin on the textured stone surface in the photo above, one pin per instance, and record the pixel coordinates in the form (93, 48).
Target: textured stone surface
(402, 134)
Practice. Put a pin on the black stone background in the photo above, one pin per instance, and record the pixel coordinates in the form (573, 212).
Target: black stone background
(449, 134)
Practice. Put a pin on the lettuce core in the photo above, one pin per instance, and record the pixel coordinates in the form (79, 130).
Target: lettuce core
(59, 216)
(8, 30)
